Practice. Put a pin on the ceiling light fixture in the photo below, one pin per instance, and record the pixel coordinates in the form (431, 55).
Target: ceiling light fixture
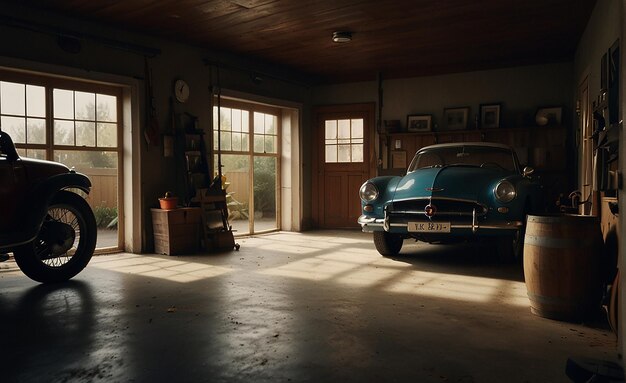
(342, 37)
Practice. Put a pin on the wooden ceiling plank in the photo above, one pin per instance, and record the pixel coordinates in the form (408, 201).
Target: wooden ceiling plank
(405, 36)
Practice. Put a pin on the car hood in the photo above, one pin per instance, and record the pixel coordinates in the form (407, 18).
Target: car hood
(462, 182)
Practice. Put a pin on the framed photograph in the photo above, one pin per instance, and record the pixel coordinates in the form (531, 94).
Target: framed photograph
(455, 118)
(489, 116)
(418, 122)
(549, 115)
(398, 159)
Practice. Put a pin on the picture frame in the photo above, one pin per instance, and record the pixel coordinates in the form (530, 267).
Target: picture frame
(398, 159)
(490, 116)
(419, 122)
(549, 115)
(455, 118)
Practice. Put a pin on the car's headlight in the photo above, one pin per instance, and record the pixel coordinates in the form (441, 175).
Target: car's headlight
(505, 191)
(368, 192)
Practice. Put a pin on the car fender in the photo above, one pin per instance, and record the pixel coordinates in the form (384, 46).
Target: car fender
(386, 186)
(520, 204)
(529, 196)
(39, 198)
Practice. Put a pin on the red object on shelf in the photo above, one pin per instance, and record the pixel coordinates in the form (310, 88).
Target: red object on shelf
(168, 203)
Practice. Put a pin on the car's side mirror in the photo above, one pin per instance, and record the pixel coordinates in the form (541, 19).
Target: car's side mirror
(527, 171)
(7, 148)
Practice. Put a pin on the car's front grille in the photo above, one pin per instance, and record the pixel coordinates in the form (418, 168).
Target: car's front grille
(445, 207)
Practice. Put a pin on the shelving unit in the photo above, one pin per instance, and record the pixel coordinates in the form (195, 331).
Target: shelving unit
(209, 197)
(217, 233)
(196, 166)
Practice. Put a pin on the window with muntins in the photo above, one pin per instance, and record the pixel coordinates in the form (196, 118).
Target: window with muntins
(74, 123)
(344, 140)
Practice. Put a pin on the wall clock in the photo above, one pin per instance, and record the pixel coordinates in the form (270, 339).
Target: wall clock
(181, 90)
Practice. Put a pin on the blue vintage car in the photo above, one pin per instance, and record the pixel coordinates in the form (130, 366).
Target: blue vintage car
(450, 193)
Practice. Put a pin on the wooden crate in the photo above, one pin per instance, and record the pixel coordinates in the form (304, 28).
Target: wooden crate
(176, 231)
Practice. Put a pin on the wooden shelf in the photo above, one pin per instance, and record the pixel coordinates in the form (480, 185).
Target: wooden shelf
(541, 146)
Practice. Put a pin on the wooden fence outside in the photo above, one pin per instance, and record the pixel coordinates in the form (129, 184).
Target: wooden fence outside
(239, 185)
(103, 186)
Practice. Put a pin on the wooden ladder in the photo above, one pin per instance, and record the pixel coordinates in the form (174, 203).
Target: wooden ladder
(216, 233)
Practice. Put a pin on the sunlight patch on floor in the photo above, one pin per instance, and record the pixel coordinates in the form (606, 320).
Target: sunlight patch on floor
(368, 276)
(154, 267)
(339, 265)
(461, 287)
(313, 269)
(358, 256)
(293, 249)
(355, 267)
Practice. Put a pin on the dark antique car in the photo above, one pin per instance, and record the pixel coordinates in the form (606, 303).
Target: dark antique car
(451, 193)
(50, 229)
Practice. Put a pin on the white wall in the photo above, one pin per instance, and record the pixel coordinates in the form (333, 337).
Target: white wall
(520, 90)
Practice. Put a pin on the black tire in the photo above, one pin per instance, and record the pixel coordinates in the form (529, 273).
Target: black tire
(387, 244)
(511, 247)
(65, 243)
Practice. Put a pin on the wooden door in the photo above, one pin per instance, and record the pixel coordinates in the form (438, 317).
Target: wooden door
(342, 162)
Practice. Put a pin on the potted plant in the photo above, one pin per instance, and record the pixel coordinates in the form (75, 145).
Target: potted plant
(168, 201)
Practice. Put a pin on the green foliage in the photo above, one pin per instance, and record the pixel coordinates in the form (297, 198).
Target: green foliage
(104, 216)
(264, 184)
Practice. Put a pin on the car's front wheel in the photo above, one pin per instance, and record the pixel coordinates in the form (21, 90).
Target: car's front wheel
(511, 247)
(387, 244)
(65, 243)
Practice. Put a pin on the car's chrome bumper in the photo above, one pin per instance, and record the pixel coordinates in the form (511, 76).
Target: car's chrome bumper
(370, 224)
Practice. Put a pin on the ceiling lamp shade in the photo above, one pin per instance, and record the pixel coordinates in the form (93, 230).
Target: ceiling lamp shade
(342, 37)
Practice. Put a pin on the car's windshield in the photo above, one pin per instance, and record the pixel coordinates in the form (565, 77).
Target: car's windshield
(468, 155)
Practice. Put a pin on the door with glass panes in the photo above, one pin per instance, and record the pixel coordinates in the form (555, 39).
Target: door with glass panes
(249, 142)
(342, 163)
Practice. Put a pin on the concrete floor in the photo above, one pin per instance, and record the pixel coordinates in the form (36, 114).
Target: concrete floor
(288, 307)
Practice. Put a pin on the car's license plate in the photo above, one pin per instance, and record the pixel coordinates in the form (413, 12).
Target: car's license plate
(429, 227)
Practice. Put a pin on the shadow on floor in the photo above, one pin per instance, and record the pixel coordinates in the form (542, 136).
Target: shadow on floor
(474, 259)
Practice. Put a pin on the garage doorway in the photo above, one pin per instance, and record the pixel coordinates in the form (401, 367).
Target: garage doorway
(77, 124)
(250, 155)
(342, 162)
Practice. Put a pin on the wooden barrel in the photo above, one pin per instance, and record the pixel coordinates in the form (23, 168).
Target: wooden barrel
(562, 266)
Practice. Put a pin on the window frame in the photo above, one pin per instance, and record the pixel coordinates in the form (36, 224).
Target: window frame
(51, 82)
(253, 107)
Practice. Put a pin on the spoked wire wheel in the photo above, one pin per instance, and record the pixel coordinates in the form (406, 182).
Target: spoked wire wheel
(59, 237)
(65, 242)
